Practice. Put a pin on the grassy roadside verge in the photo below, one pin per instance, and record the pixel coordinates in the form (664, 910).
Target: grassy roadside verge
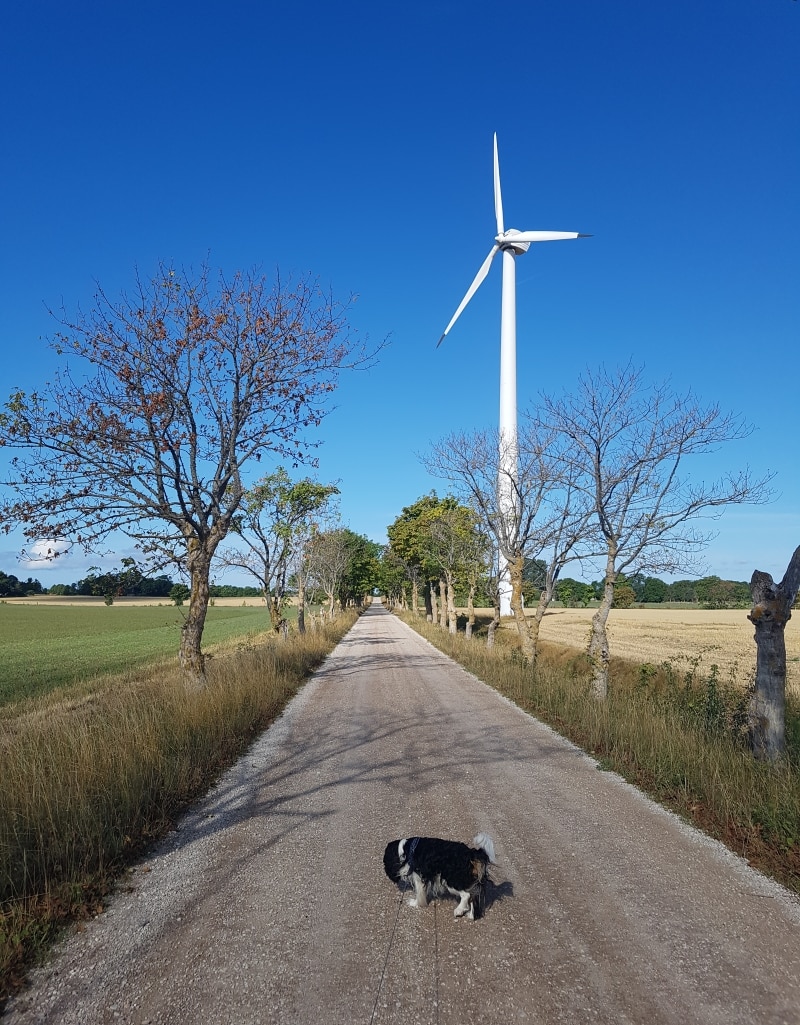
(90, 779)
(676, 737)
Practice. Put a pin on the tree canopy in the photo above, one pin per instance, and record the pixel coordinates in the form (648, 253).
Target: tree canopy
(182, 384)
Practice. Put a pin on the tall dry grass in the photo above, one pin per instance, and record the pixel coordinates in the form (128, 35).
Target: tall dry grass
(87, 781)
(677, 734)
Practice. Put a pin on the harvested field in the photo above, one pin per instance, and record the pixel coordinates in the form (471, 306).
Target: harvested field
(721, 637)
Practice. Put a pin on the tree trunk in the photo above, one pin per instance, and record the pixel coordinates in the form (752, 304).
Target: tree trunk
(276, 613)
(190, 654)
(772, 609)
(301, 604)
(430, 602)
(495, 620)
(535, 622)
(442, 603)
(515, 568)
(415, 595)
(452, 618)
(470, 611)
(598, 639)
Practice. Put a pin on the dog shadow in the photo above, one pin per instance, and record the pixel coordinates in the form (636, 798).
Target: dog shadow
(496, 893)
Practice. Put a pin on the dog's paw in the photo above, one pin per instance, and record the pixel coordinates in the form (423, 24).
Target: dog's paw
(412, 902)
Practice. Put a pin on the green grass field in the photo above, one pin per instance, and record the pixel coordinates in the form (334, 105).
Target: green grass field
(47, 646)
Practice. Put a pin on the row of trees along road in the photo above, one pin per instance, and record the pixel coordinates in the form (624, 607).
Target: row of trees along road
(601, 475)
(167, 398)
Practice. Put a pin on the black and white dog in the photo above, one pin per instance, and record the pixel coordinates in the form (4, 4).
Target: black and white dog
(436, 868)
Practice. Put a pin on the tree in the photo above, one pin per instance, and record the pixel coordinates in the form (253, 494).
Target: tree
(393, 579)
(454, 546)
(682, 590)
(545, 513)
(276, 520)
(409, 541)
(715, 593)
(655, 591)
(573, 593)
(626, 445)
(111, 584)
(361, 573)
(328, 555)
(179, 593)
(771, 611)
(624, 596)
(188, 381)
(12, 587)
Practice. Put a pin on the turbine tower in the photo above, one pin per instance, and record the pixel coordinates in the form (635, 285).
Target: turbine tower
(511, 243)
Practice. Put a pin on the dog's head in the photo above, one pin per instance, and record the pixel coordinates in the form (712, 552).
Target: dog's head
(393, 860)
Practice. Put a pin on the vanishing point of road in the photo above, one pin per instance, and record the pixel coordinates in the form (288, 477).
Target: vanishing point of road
(269, 903)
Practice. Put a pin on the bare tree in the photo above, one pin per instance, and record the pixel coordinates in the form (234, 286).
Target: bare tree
(625, 446)
(328, 555)
(772, 609)
(187, 382)
(474, 463)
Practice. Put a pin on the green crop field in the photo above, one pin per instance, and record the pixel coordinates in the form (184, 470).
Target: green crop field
(47, 646)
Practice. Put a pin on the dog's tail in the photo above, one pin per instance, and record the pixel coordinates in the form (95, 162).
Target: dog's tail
(485, 843)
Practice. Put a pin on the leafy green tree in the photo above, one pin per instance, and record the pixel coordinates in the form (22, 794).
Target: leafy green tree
(277, 518)
(392, 581)
(12, 587)
(185, 383)
(636, 581)
(62, 589)
(362, 573)
(179, 593)
(409, 541)
(715, 593)
(655, 591)
(155, 587)
(624, 596)
(573, 593)
(682, 590)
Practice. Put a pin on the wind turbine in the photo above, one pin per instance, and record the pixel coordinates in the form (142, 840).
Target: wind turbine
(511, 243)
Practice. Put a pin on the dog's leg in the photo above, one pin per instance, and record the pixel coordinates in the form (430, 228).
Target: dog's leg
(420, 898)
(464, 905)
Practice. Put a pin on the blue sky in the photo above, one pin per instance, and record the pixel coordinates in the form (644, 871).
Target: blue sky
(354, 141)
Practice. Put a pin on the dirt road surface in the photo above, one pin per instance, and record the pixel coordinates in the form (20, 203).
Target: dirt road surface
(269, 903)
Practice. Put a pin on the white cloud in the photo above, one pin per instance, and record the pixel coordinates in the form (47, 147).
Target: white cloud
(44, 553)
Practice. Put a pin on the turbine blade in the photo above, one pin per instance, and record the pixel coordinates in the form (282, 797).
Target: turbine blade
(498, 198)
(544, 236)
(473, 288)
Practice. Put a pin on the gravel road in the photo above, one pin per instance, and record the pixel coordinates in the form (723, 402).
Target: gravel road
(269, 903)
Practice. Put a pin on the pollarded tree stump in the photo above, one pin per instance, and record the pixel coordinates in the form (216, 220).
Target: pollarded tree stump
(771, 611)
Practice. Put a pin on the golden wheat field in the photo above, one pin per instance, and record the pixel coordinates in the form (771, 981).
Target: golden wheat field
(722, 637)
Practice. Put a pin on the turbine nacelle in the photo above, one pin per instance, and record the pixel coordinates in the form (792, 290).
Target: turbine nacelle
(509, 240)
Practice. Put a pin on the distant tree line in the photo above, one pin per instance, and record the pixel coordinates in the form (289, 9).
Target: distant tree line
(114, 583)
(11, 587)
(711, 592)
